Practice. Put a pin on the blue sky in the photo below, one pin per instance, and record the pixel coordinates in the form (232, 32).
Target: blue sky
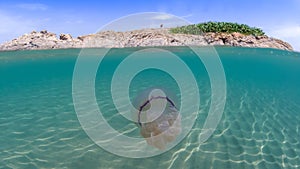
(278, 18)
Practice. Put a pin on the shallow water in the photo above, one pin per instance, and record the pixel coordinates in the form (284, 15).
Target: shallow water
(260, 126)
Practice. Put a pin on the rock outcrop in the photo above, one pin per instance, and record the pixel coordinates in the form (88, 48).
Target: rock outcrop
(67, 37)
(237, 39)
(41, 40)
(145, 37)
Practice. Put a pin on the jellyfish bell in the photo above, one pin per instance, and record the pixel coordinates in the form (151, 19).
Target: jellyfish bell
(162, 131)
(159, 120)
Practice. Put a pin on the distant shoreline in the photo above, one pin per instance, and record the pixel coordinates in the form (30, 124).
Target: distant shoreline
(139, 38)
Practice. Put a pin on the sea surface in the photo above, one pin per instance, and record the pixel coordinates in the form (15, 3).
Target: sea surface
(259, 128)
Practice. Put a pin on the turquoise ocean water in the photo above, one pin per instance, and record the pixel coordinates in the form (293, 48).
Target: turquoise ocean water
(260, 126)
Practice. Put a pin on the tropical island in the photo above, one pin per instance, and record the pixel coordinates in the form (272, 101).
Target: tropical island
(203, 34)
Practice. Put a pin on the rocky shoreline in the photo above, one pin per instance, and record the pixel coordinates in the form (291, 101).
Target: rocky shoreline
(137, 38)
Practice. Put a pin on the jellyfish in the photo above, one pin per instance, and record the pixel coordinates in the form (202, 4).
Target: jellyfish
(159, 121)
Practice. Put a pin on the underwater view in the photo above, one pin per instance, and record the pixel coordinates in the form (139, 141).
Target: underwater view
(40, 126)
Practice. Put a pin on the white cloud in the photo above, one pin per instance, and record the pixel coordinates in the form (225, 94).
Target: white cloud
(289, 33)
(162, 17)
(14, 26)
(187, 16)
(32, 6)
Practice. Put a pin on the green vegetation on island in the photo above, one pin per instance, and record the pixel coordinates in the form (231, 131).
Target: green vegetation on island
(218, 27)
